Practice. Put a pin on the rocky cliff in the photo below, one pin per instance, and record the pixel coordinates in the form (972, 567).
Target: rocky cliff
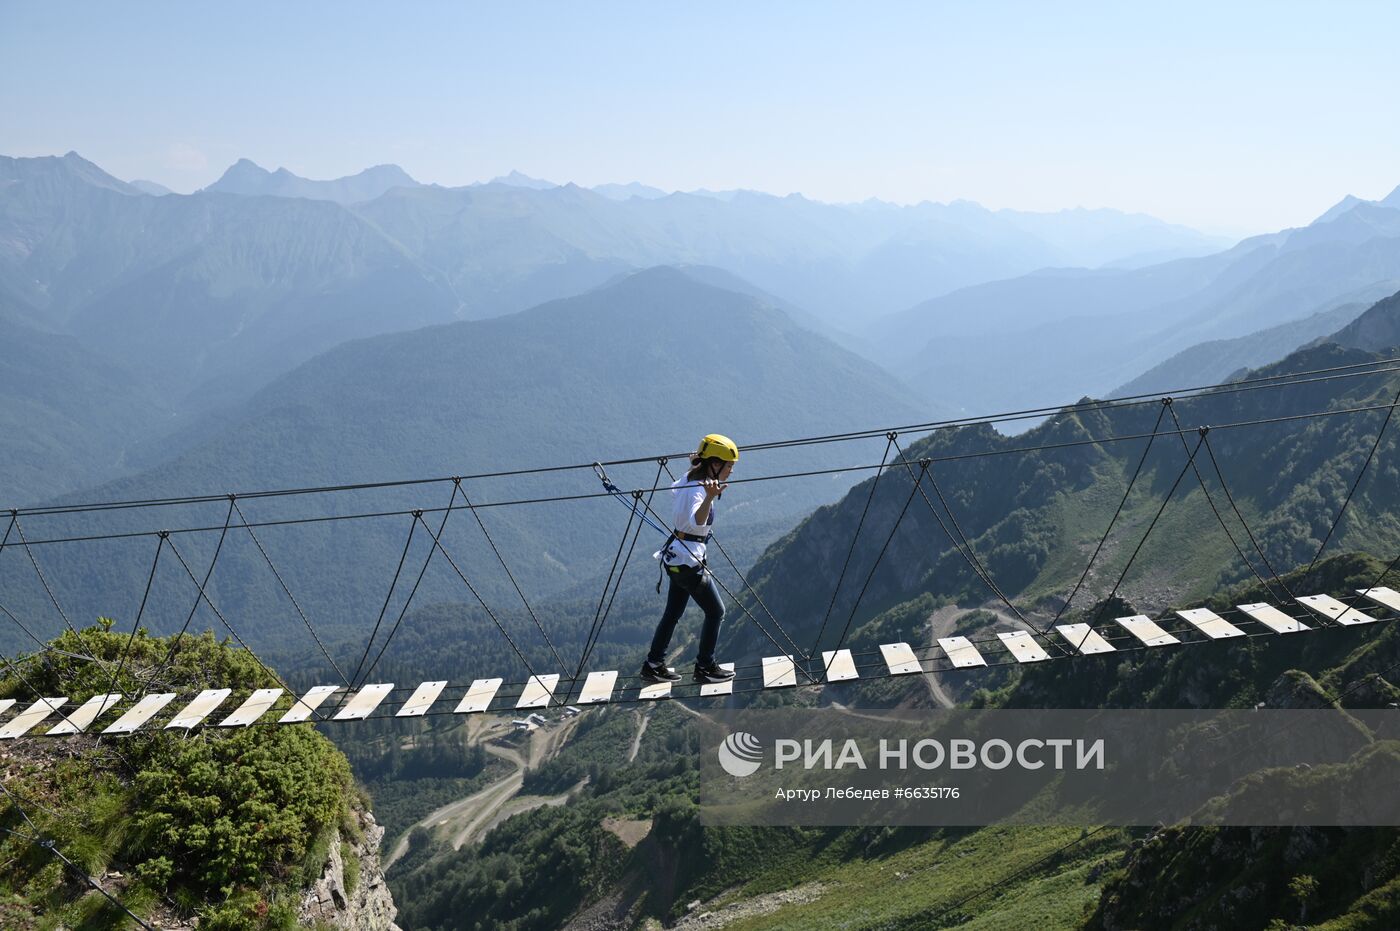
(351, 893)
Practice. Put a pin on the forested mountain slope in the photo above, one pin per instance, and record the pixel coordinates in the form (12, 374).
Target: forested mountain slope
(1034, 518)
(1218, 360)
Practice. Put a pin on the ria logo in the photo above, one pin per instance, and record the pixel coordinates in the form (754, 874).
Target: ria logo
(741, 754)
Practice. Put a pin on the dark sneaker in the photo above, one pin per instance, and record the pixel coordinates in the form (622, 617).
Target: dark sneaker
(712, 672)
(658, 672)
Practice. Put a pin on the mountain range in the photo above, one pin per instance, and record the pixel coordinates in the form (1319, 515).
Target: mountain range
(1067, 333)
(247, 178)
(204, 299)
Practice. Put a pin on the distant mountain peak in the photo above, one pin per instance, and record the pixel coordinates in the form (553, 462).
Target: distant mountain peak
(71, 166)
(154, 188)
(520, 179)
(1351, 202)
(241, 171)
(1339, 208)
(248, 178)
(628, 191)
(386, 170)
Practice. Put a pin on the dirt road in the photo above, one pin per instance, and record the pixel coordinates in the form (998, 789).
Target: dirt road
(470, 817)
(637, 739)
(941, 624)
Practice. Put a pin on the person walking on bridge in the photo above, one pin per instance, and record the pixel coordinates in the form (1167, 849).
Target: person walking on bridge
(693, 500)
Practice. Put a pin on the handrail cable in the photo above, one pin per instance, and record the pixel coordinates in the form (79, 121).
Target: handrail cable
(550, 499)
(1354, 370)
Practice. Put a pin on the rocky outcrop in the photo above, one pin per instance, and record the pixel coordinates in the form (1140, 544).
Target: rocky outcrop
(351, 893)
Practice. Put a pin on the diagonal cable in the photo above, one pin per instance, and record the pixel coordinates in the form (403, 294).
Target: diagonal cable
(972, 554)
(384, 608)
(24, 627)
(1220, 518)
(965, 551)
(613, 597)
(47, 844)
(45, 647)
(923, 470)
(1360, 473)
(202, 585)
(481, 601)
(1161, 412)
(140, 612)
(600, 615)
(280, 581)
(40, 572)
(1147, 533)
(1225, 486)
(563, 669)
(850, 551)
(422, 571)
(203, 594)
(16, 667)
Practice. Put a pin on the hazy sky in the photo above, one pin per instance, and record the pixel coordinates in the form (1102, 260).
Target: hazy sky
(1227, 116)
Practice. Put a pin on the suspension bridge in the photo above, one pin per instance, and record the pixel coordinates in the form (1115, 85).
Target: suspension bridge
(788, 665)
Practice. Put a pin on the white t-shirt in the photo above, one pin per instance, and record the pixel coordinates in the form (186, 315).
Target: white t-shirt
(686, 498)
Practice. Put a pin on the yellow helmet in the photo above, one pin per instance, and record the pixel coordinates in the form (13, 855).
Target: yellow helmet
(717, 446)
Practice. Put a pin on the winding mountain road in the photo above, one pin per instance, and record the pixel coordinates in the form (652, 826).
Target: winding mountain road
(472, 816)
(941, 623)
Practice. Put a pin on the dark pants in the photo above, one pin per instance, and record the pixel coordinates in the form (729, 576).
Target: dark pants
(687, 584)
